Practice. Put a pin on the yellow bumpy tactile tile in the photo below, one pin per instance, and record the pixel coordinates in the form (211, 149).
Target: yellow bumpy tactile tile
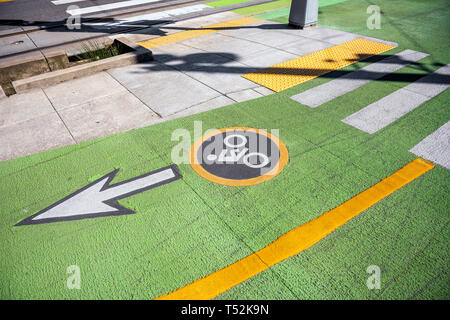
(188, 34)
(291, 73)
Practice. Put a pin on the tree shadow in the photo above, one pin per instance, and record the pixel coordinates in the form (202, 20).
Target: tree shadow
(210, 62)
(225, 63)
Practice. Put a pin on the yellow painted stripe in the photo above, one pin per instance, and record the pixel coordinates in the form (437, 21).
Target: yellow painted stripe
(188, 34)
(298, 239)
(291, 73)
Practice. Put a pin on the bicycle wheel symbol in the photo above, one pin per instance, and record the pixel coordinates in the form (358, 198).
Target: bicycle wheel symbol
(238, 156)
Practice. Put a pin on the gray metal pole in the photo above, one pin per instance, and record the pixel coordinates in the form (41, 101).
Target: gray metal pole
(304, 13)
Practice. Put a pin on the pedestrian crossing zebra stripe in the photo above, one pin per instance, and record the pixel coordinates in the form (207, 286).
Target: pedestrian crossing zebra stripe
(383, 112)
(59, 2)
(134, 21)
(109, 6)
(435, 147)
(337, 87)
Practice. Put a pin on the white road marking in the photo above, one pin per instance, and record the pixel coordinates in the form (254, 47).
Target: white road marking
(109, 6)
(335, 88)
(91, 200)
(435, 147)
(133, 21)
(59, 2)
(383, 112)
(186, 10)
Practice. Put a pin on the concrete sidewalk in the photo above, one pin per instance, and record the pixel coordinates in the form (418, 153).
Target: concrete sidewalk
(186, 77)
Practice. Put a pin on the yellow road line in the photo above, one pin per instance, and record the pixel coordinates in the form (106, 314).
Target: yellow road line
(298, 239)
(291, 73)
(188, 34)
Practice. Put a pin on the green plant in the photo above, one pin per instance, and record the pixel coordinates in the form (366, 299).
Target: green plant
(94, 50)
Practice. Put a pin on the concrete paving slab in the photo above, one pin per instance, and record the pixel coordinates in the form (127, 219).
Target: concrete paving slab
(136, 75)
(219, 43)
(176, 93)
(58, 36)
(6, 30)
(106, 115)
(270, 38)
(267, 58)
(432, 84)
(22, 58)
(23, 107)
(32, 136)
(304, 46)
(264, 91)
(435, 147)
(243, 31)
(79, 91)
(225, 78)
(15, 44)
(336, 36)
(214, 103)
(244, 95)
(187, 58)
(329, 35)
(162, 88)
(172, 51)
(335, 88)
(383, 112)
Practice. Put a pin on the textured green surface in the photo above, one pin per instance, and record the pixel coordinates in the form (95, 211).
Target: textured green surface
(274, 9)
(222, 3)
(265, 7)
(284, 12)
(189, 228)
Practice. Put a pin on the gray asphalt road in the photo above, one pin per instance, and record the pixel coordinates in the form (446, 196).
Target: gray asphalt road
(25, 13)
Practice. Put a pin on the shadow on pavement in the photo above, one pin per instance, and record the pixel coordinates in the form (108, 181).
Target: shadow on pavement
(216, 62)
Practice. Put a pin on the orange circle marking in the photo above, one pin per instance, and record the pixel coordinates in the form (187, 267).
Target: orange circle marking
(283, 160)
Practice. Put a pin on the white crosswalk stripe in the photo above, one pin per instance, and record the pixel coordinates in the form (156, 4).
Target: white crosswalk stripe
(134, 21)
(435, 147)
(109, 6)
(383, 112)
(335, 88)
(59, 2)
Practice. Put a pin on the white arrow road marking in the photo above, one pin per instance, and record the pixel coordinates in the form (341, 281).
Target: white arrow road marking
(100, 198)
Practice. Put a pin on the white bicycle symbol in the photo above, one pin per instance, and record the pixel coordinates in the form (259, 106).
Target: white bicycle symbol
(235, 155)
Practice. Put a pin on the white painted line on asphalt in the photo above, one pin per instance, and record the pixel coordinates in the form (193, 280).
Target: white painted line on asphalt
(109, 6)
(335, 88)
(58, 2)
(131, 22)
(145, 18)
(383, 112)
(435, 147)
(186, 10)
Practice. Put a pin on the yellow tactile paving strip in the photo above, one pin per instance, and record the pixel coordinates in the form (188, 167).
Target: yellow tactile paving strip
(298, 239)
(188, 34)
(291, 73)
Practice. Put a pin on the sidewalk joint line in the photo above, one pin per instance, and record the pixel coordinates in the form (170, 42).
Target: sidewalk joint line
(59, 116)
(133, 94)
